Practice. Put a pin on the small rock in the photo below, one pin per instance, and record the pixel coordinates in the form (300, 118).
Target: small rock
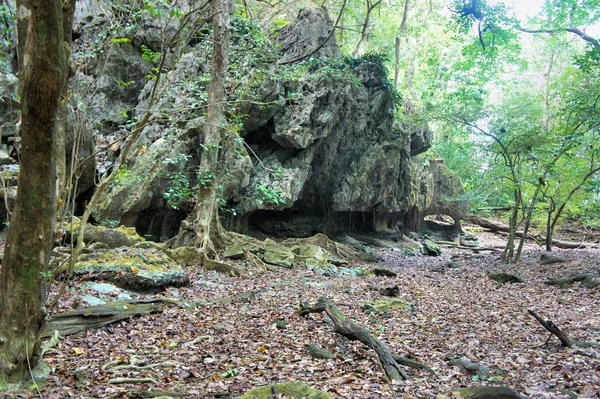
(92, 300)
(430, 248)
(381, 272)
(281, 324)
(454, 265)
(317, 352)
(548, 259)
(506, 278)
(105, 288)
(234, 251)
(124, 297)
(389, 291)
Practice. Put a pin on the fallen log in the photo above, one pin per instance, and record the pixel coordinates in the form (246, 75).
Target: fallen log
(355, 332)
(562, 336)
(539, 239)
(92, 317)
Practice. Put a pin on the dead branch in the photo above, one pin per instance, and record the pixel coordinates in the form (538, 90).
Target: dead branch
(354, 332)
(562, 336)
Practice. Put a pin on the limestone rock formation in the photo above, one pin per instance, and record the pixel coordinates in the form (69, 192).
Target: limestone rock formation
(311, 35)
(322, 148)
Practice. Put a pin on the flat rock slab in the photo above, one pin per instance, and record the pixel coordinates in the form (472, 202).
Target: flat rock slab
(139, 269)
(296, 390)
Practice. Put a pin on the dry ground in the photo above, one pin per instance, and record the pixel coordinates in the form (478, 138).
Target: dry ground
(233, 347)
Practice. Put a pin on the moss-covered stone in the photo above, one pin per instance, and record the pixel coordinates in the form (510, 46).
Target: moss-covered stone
(277, 254)
(431, 248)
(132, 268)
(290, 389)
(111, 237)
(234, 251)
(187, 256)
(386, 305)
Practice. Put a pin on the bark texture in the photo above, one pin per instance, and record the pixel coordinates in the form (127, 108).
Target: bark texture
(207, 230)
(42, 70)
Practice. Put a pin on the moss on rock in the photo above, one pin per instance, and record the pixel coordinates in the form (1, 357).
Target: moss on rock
(290, 389)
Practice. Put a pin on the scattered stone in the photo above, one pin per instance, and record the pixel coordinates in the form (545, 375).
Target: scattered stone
(111, 237)
(430, 248)
(186, 255)
(294, 390)
(392, 291)
(104, 288)
(219, 328)
(92, 300)
(234, 251)
(548, 259)
(483, 393)
(208, 283)
(506, 278)
(410, 252)
(317, 352)
(454, 265)
(277, 254)
(281, 325)
(381, 272)
(587, 280)
(124, 297)
(386, 305)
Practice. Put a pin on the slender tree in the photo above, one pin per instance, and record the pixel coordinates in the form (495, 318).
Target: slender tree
(207, 227)
(43, 73)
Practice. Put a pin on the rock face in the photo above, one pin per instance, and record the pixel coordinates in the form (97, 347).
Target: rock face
(323, 151)
(310, 35)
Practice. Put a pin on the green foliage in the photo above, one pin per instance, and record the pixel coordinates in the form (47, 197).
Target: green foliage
(268, 196)
(124, 176)
(7, 34)
(120, 40)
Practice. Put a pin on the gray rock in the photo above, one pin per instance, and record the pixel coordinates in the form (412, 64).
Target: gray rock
(92, 300)
(548, 259)
(310, 36)
(105, 288)
(430, 248)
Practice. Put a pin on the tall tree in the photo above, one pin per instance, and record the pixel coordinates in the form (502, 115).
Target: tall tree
(208, 232)
(43, 73)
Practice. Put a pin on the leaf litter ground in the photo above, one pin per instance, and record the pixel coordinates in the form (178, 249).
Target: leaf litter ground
(233, 347)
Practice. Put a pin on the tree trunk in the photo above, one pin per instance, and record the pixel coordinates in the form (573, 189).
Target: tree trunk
(399, 34)
(43, 70)
(208, 230)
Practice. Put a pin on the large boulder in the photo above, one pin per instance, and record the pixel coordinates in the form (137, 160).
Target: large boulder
(139, 269)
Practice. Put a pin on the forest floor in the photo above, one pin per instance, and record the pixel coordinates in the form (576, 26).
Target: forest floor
(233, 347)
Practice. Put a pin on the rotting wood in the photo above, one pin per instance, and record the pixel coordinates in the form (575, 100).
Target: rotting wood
(405, 361)
(128, 380)
(561, 335)
(355, 332)
(498, 226)
(93, 317)
(78, 320)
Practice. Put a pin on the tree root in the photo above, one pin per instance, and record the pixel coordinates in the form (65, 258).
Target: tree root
(563, 337)
(351, 330)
